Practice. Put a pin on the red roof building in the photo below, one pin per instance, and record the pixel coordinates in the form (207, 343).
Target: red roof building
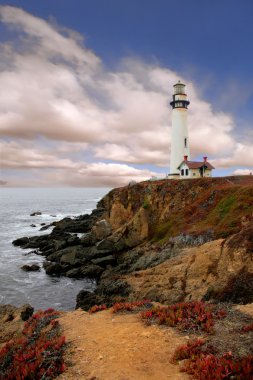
(195, 169)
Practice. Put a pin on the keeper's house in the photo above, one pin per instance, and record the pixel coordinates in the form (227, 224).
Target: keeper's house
(194, 169)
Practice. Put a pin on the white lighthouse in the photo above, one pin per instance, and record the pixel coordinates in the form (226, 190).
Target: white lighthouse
(179, 135)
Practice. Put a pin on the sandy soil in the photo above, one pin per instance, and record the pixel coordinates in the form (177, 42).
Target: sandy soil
(106, 346)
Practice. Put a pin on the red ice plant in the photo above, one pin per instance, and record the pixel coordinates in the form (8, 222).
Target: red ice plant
(203, 363)
(247, 328)
(96, 308)
(130, 306)
(188, 316)
(38, 353)
(213, 367)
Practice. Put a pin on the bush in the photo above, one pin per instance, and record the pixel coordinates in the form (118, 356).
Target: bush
(212, 367)
(130, 306)
(187, 316)
(96, 308)
(38, 353)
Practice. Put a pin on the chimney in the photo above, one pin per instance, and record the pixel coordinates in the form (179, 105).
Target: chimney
(185, 158)
(205, 159)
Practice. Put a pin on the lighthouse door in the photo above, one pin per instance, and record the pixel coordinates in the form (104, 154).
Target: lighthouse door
(201, 170)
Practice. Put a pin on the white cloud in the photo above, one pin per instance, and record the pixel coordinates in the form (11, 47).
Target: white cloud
(67, 171)
(242, 172)
(53, 87)
(242, 155)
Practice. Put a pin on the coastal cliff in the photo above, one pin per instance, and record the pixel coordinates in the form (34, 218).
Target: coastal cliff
(169, 241)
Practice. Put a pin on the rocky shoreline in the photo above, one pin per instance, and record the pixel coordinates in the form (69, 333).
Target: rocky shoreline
(142, 233)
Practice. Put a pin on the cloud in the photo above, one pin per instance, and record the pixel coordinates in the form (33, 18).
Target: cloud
(243, 172)
(54, 88)
(66, 171)
(241, 156)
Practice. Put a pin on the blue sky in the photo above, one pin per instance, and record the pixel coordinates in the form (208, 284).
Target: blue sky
(130, 44)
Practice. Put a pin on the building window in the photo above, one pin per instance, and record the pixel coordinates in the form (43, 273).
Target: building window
(186, 171)
(194, 174)
(182, 171)
(185, 142)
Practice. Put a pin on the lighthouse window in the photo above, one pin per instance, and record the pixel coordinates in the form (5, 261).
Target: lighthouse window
(185, 142)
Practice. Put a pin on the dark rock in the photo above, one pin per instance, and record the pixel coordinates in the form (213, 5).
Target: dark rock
(21, 241)
(36, 213)
(26, 312)
(8, 313)
(73, 273)
(31, 268)
(82, 224)
(91, 271)
(104, 261)
(53, 268)
(87, 239)
(106, 244)
(42, 224)
(69, 258)
(73, 240)
(33, 225)
(74, 255)
(59, 244)
(93, 253)
(108, 292)
(86, 300)
(109, 288)
(44, 228)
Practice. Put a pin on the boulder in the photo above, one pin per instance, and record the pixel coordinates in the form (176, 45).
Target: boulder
(26, 311)
(73, 273)
(104, 261)
(59, 244)
(111, 288)
(35, 213)
(33, 225)
(106, 244)
(70, 255)
(102, 229)
(73, 240)
(53, 268)
(44, 228)
(87, 239)
(86, 300)
(21, 241)
(74, 255)
(91, 271)
(31, 268)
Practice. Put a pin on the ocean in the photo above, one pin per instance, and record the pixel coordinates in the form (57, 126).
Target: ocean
(37, 288)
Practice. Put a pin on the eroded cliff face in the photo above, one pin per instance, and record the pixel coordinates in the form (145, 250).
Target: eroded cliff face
(157, 211)
(180, 240)
(221, 270)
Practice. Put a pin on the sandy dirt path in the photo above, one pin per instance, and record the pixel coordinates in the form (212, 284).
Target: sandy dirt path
(108, 346)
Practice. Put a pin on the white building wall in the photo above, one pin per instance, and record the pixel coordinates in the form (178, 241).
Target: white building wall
(178, 136)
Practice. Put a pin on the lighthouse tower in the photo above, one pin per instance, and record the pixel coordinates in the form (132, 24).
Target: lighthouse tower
(179, 136)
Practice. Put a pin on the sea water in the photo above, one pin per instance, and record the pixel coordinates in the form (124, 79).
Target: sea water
(37, 288)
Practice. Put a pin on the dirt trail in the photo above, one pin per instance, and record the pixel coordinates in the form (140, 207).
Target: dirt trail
(108, 346)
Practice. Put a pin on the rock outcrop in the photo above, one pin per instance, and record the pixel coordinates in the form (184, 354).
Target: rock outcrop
(11, 320)
(167, 240)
